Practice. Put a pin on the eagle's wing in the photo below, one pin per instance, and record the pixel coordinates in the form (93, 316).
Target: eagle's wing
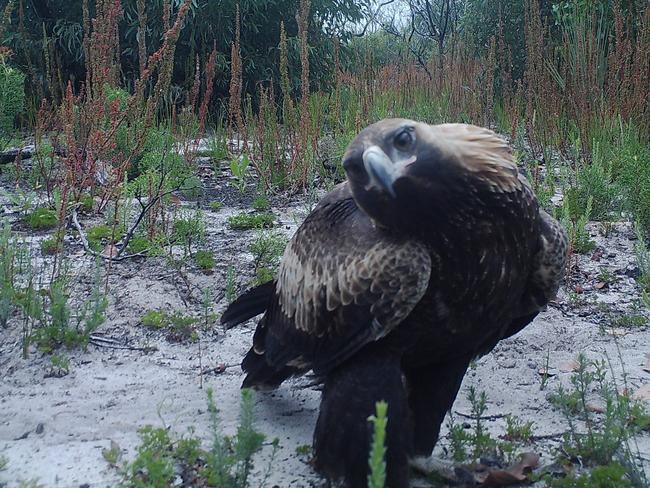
(546, 272)
(342, 283)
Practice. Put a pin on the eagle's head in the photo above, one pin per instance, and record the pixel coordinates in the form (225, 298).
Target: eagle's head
(400, 170)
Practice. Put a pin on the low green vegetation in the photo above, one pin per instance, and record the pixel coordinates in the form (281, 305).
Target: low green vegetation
(377, 458)
(99, 236)
(267, 249)
(226, 462)
(49, 318)
(260, 203)
(609, 476)
(216, 205)
(52, 245)
(189, 229)
(52, 322)
(204, 260)
(179, 327)
(602, 423)
(247, 221)
(42, 219)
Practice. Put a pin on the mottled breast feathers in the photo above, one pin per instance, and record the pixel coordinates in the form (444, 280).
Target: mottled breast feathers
(324, 272)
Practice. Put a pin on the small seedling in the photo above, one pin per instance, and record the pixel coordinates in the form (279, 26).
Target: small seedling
(216, 205)
(204, 260)
(238, 167)
(155, 319)
(609, 476)
(518, 430)
(304, 450)
(545, 375)
(179, 327)
(139, 245)
(231, 288)
(630, 321)
(113, 454)
(377, 459)
(60, 366)
(86, 203)
(53, 245)
(189, 229)
(260, 203)
(483, 443)
(246, 221)
(459, 440)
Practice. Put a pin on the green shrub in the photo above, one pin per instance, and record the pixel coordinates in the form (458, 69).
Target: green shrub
(594, 182)
(633, 163)
(189, 228)
(138, 244)
(261, 202)
(179, 327)
(12, 97)
(42, 219)
(86, 203)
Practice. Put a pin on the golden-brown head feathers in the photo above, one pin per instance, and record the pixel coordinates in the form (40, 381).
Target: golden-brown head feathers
(400, 167)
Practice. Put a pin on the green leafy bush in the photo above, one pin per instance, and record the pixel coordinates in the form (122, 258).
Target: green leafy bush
(12, 97)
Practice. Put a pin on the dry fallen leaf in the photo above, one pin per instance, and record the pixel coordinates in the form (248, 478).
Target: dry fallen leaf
(642, 393)
(600, 285)
(110, 251)
(513, 475)
(618, 332)
(596, 408)
(569, 366)
(546, 372)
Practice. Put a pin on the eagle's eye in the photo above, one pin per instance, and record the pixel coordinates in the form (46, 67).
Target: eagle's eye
(403, 139)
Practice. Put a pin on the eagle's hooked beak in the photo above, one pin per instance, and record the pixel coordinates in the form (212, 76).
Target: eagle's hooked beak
(383, 171)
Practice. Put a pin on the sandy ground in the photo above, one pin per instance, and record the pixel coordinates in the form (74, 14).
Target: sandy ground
(54, 429)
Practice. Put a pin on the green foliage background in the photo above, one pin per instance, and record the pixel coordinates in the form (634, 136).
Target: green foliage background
(57, 26)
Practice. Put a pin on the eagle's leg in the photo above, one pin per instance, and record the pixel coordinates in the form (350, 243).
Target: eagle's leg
(432, 390)
(343, 433)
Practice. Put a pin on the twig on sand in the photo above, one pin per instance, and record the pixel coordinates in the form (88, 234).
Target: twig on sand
(86, 246)
(482, 417)
(100, 341)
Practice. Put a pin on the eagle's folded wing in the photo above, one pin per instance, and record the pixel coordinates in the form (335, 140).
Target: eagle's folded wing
(340, 286)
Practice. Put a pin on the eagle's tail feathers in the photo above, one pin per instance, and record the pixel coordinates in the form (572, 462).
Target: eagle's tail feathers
(249, 304)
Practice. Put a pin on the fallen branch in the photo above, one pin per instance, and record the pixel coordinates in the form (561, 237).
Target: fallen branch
(99, 341)
(483, 417)
(86, 246)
